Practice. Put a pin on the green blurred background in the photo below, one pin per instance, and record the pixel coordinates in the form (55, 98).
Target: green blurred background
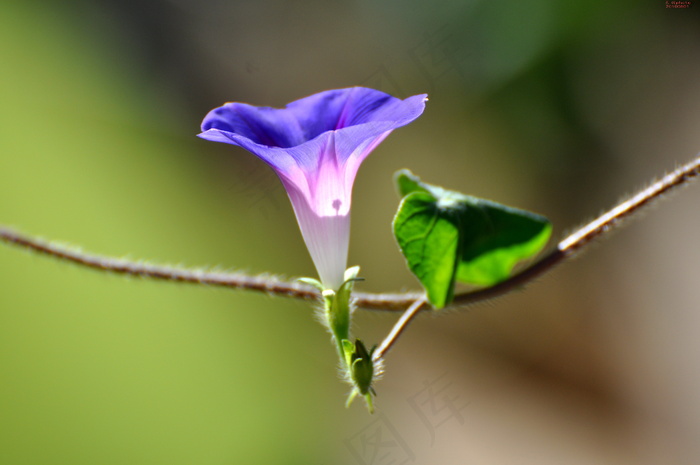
(556, 107)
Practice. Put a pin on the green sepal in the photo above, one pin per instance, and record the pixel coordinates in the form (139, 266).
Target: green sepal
(362, 367)
(368, 399)
(351, 397)
(369, 402)
(337, 309)
(348, 350)
(361, 370)
(345, 290)
(351, 274)
(313, 282)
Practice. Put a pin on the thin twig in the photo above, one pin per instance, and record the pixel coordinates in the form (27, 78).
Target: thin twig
(398, 328)
(390, 302)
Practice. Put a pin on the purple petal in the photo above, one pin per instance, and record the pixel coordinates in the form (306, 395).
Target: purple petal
(284, 137)
(263, 126)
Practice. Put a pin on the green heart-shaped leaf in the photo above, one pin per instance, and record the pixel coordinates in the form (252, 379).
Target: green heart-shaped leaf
(447, 236)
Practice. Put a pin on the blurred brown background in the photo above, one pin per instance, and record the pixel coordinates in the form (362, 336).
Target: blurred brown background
(557, 107)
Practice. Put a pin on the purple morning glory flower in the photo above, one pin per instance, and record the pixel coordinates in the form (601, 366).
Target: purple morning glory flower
(316, 145)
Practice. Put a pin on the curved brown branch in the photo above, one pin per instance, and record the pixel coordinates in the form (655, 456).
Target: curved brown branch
(389, 302)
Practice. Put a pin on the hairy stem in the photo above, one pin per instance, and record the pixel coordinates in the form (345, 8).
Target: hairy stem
(572, 244)
(260, 283)
(398, 329)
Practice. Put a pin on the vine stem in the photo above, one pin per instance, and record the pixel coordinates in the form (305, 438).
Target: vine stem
(398, 329)
(571, 245)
